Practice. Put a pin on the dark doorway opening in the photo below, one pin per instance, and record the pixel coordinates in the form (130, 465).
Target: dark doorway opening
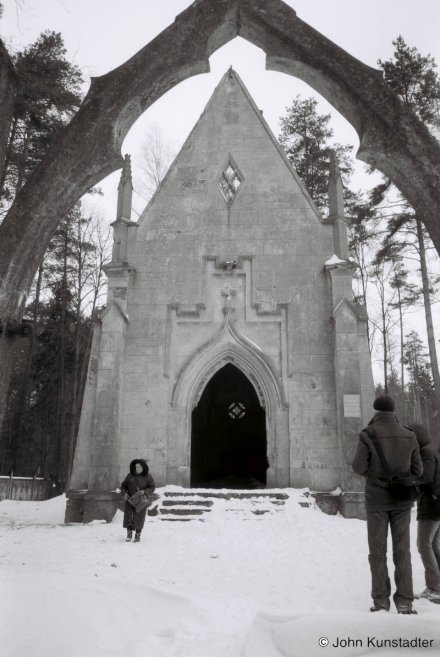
(228, 439)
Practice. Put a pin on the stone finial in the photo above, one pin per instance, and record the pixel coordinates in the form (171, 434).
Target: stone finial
(123, 217)
(335, 190)
(125, 191)
(336, 208)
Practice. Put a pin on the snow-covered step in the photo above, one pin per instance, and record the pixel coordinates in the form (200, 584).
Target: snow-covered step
(196, 503)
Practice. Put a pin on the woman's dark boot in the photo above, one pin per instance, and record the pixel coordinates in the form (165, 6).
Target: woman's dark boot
(137, 537)
(129, 535)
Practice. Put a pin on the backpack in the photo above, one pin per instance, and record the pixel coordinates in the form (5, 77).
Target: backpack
(403, 487)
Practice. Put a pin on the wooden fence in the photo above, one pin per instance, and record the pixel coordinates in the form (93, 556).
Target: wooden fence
(25, 488)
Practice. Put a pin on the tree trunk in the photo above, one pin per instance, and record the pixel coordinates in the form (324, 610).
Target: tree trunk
(61, 395)
(428, 313)
(8, 155)
(385, 349)
(73, 415)
(24, 154)
(37, 294)
(364, 294)
(26, 377)
(402, 365)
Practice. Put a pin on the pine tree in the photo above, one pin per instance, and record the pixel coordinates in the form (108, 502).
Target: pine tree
(413, 77)
(46, 390)
(49, 94)
(422, 400)
(305, 137)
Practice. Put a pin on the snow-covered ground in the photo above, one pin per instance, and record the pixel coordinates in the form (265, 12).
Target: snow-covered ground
(234, 585)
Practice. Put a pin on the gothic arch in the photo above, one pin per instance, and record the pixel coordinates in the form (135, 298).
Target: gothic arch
(229, 346)
(392, 139)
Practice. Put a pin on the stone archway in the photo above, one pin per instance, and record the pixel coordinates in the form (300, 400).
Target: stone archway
(228, 433)
(392, 139)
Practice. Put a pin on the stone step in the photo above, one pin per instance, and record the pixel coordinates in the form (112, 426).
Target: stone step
(181, 519)
(187, 502)
(190, 505)
(184, 512)
(230, 495)
(198, 502)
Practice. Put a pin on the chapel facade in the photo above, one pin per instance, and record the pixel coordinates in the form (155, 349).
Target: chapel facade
(230, 348)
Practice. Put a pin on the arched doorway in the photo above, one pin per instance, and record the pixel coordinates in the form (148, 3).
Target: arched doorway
(228, 438)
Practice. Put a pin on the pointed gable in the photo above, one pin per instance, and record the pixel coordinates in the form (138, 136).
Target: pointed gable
(233, 134)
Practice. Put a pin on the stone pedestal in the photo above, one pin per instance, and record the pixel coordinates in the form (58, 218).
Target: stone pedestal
(74, 506)
(349, 505)
(100, 505)
(85, 506)
(328, 503)
(353, 505)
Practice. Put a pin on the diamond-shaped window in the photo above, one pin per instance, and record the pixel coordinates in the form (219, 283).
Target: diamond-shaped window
(230, 181)
(236, 410)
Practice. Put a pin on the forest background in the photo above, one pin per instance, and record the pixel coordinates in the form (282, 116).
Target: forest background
(397, 271)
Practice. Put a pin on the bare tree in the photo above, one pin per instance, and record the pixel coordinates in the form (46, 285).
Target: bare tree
(383, 320)
(362, 242)
(158, 153)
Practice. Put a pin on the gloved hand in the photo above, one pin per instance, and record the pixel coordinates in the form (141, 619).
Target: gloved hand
(125, 497)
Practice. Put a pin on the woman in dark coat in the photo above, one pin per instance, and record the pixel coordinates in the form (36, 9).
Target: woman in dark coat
(428, 514)
(137, 479)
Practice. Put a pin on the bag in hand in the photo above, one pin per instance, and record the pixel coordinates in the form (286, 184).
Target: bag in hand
(139, 501)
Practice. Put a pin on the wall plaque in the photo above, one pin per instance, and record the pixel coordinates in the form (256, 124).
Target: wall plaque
(352, 406)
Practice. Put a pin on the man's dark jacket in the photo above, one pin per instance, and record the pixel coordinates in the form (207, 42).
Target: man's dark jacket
(427, 509)
(401, 451)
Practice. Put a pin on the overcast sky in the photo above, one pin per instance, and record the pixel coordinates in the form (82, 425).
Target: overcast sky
(102, 34)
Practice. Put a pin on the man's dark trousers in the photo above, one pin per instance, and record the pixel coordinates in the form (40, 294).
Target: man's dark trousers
(377, 526)
(388, 506)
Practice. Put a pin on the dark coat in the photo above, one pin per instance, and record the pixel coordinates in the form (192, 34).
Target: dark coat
(401, 451)
(427, 508)
(130, 485)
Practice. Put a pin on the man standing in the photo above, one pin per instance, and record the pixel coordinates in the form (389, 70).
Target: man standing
(387, 445)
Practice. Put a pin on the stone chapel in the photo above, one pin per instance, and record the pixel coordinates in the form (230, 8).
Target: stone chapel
(230, 348)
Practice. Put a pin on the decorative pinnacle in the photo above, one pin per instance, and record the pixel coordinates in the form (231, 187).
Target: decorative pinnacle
(335, 190)
(127, 167)
(126, 172)
(125, 191)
